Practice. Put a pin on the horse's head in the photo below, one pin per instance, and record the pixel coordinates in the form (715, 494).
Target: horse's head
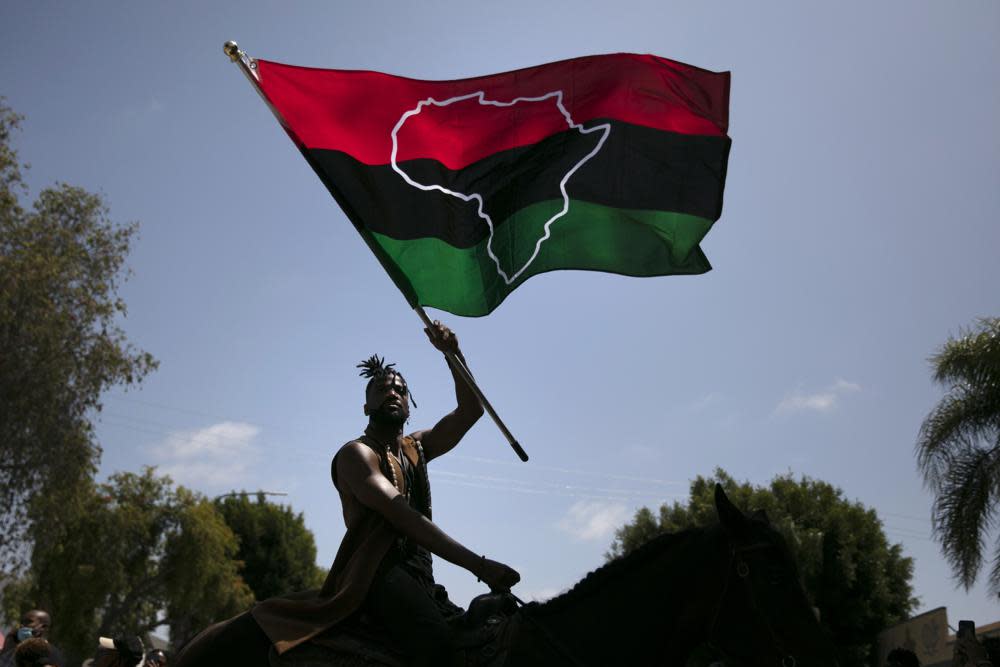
(763, 617)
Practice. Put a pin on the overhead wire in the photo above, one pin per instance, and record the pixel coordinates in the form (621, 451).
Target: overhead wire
(159, 429)
(169, 429)
(452, 477)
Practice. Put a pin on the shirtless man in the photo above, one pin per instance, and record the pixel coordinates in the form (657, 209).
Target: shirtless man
(385, 472)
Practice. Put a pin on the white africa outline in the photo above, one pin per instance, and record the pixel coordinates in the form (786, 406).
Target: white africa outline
(481, 95)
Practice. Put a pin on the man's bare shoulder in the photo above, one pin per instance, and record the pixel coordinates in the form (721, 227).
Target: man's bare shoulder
(356, 449)
(354, 455)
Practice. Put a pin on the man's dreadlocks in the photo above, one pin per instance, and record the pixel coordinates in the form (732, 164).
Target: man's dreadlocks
(374, 368)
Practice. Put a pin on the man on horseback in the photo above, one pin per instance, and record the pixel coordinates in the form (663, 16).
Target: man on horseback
(382, 475)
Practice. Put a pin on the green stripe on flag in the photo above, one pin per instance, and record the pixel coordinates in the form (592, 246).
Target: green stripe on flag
(589, 237)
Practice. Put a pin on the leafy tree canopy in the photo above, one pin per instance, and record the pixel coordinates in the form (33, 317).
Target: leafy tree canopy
(61, 264)
(958, 450)
(131, 555)
(858, 581)
(278, 552)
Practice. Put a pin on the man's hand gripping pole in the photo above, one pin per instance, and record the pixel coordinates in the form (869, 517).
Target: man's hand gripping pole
(466, 375)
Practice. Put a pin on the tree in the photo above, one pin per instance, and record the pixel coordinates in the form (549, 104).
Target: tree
(850, 572)
(134, 554)
(61, 264)
(958, 450)
(278, 552)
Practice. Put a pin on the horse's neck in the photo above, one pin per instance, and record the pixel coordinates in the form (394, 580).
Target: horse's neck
(653, 613)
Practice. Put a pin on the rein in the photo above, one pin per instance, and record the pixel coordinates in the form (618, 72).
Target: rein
(743, 571)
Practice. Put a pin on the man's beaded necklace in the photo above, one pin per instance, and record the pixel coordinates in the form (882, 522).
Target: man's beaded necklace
(392, 469)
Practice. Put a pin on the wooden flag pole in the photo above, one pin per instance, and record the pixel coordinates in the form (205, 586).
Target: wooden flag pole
(466, 375)
(249, 68)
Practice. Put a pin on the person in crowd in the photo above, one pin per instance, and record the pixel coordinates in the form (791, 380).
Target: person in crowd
(35, 624)
(156, 658)
(902, 657)
(34, 652)
(968, 651)
(992, 646)
(120, 652)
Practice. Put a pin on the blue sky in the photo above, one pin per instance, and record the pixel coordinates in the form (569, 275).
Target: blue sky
(860, 230)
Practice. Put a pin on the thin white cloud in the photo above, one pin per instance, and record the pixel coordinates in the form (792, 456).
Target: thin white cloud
(825, 400)
(141, 110)
(217, 456)
(710, 399)
(797, 402)
(843, 386)
(589, 520)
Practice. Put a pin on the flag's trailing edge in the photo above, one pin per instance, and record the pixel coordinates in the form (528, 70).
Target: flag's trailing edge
(464, 189)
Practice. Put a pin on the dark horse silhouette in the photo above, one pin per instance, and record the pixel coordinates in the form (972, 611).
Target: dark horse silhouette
(733, 585)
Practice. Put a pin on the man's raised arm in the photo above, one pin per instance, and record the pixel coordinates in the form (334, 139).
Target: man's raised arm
(443, 437)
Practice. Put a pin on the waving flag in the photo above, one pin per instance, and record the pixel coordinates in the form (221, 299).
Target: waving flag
(464, 189)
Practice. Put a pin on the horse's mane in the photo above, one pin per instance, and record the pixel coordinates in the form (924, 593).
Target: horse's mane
(596, 579)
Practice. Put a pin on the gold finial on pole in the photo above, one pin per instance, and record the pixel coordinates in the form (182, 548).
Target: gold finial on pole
(232, 50)
(237, 55)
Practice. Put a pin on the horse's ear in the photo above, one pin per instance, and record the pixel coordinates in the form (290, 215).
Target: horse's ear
(761, 515)
(731, 518)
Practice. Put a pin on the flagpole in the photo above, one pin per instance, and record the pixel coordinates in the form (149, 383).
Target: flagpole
(466, 375)
(248, 66)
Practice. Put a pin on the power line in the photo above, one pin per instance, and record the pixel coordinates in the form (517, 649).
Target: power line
(534, 491)
(249, 493)
(909, 517)
(554, 486)
(200, 413)
(908, 535)
(152, 427)
(573, 471)
(157, 428)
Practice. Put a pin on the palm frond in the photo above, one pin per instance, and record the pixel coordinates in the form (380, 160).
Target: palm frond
(965, 508)
(994, 581)
(958, 449)
(958, 421)
(973, 359)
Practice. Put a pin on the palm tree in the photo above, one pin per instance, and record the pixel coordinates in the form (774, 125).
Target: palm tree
(958, 450)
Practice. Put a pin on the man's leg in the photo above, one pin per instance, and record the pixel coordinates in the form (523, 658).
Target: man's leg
(412, 618)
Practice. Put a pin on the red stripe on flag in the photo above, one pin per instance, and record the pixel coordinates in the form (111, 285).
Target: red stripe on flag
(356, 111)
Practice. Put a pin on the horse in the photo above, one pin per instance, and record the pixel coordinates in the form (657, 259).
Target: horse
(733, 585)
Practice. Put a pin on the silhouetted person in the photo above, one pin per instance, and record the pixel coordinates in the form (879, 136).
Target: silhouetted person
(34, 624)
(156, 658)
(385, 472)
(968, 651)
(992, 646)
(34, 652)
(384, 562)
(120, 652)
(902, 657)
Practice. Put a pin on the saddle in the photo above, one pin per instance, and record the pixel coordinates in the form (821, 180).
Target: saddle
(481, 633)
